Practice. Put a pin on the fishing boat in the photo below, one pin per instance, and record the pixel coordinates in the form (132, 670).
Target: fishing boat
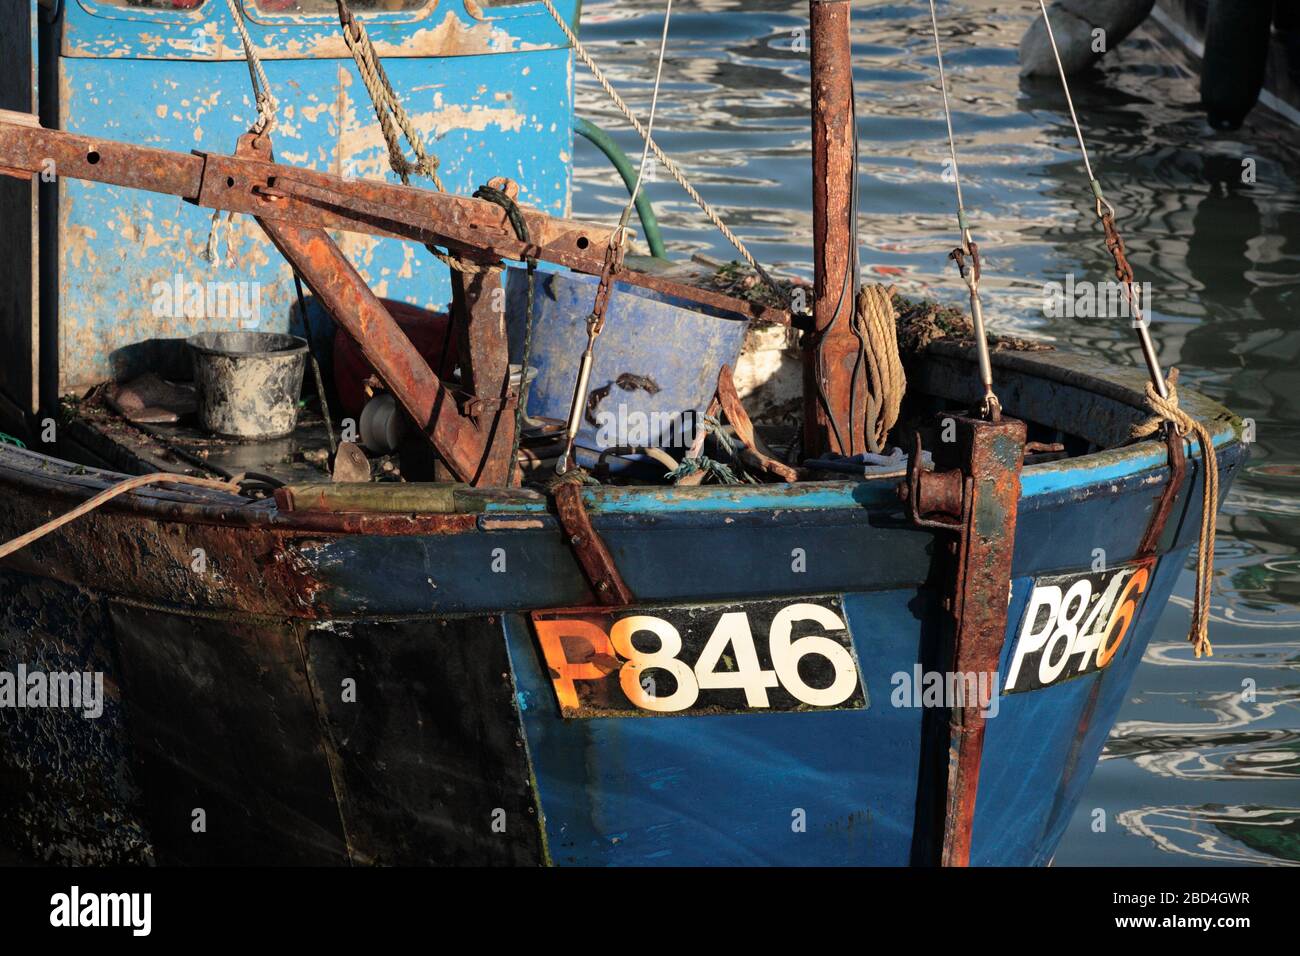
(852, 657)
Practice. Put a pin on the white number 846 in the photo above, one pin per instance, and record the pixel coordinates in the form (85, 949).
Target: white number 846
(733, 629)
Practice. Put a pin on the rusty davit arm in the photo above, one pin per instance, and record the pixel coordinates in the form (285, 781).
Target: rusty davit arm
(249, 182)
(970, 498)
(296, 207)
(363, 316)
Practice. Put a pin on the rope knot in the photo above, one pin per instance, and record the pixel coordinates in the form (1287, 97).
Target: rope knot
(1167, 410)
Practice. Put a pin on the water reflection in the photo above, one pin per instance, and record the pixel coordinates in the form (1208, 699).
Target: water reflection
(1222, 254)
(1268, 836)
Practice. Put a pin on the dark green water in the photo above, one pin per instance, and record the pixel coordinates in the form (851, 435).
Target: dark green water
(1196, 772)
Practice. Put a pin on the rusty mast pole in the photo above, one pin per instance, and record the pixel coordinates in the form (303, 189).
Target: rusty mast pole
(831, 349)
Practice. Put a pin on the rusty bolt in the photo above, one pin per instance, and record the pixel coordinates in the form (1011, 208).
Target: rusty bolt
(507, 186)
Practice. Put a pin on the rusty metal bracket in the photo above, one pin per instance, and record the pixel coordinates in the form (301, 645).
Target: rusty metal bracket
(249, 183)
(613, 263)
(612, 266)
(971, 495)
(297, 206)
(932, 493)
(593, 557)
(740, 421)
(1165, 504)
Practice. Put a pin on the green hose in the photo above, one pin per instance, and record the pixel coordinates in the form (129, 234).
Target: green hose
(628, 170)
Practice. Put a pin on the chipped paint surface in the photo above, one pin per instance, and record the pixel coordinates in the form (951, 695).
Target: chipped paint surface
(100, 30)
(116, 244)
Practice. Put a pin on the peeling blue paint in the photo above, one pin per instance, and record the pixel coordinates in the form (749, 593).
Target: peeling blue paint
(485, 114)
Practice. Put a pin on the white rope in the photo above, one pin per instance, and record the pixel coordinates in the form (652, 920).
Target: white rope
(264, 99)
(650, 125)
(991, 408)
(1167, 409)
(266, 104)
(107, 495)
(389, 111)
(663, 157)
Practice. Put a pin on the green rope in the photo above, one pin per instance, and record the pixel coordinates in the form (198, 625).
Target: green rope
(628, 172)
(722, 472)
(713, 425)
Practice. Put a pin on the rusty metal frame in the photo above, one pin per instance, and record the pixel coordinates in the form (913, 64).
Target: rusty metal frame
(593, 556)
(295, 207)
(358, 311)
(251, 183)
(830, 349)
(972, 495)
(1165, 504)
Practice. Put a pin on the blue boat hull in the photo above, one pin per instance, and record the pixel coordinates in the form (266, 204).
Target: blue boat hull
(229, 691)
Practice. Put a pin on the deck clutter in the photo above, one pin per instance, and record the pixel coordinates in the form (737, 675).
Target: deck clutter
(500, 496)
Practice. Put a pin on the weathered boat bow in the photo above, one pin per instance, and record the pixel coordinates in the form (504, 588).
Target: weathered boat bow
(650, 671)
(970, 498)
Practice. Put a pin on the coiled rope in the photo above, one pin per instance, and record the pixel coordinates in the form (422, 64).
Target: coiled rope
(876, 328)
(1167, 411)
